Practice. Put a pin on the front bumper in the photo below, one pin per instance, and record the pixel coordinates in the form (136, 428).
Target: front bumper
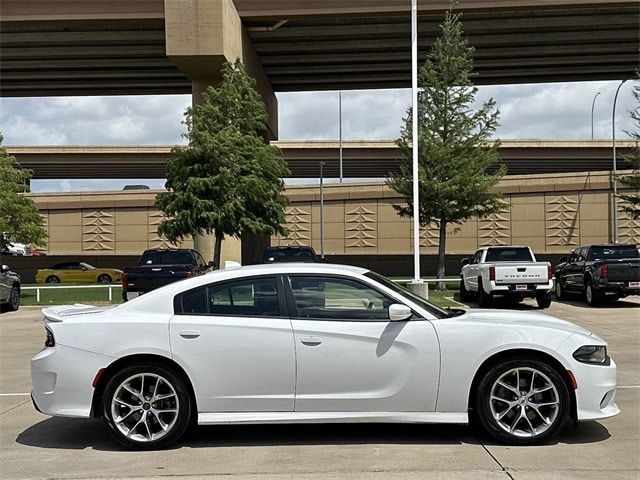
(61, 380)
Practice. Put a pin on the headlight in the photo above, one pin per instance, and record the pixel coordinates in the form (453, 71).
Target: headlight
(596, 354)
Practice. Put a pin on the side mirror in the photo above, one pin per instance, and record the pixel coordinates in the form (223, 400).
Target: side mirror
(210, 264)
(399, 312)
(564, 259)
(4, 268)
(465, 261)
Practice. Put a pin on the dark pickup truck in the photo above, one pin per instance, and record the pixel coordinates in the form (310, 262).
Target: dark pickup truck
(159, 267)
(600, 272)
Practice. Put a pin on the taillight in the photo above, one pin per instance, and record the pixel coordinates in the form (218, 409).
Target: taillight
(604, 270)
(50, 341)
(189, 274)
(549, 271)
(123, 280)
(492, 273)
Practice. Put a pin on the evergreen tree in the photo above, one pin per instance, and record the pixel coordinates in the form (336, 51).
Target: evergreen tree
(227, 180)
(632, 181)
(458, 163)
(20, 220)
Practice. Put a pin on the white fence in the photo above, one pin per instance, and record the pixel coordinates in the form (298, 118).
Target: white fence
(48, 287)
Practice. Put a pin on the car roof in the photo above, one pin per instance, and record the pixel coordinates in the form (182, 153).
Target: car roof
(292, 267)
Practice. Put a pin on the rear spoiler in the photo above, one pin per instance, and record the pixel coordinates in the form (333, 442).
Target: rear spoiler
(59, 312)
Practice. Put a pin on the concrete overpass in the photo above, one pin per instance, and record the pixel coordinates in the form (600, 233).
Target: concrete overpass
(113, 47)
(363, 159)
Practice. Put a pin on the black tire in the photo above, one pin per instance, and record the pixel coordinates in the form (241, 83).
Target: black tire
(104, 278)
(464, 294)
(484, 299)
(560, 294)
(490, 423)
(52, 279)
(543, 299)
(182, 404)
(590, 295)
(14, 299)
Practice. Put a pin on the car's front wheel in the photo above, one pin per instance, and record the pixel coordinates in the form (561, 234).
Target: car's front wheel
(14, 299)
(52, 279)
(146, 407)
(522, 401)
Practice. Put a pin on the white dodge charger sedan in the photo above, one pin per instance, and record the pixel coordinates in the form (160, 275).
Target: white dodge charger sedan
(307, 343)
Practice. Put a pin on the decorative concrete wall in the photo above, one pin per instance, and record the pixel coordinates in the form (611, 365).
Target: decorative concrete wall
(551, 213)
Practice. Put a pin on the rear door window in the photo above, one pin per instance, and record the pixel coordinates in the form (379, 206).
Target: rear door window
(517, 254)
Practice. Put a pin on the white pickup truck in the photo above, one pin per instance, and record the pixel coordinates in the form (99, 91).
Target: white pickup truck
(506, 271)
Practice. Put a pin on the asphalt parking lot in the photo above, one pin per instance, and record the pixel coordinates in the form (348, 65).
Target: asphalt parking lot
(36, 446)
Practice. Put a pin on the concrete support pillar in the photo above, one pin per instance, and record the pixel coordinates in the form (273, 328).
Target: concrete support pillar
(201, 35)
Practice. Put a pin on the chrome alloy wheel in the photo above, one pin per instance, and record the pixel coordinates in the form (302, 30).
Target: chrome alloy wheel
(524, 402)
(145, 407)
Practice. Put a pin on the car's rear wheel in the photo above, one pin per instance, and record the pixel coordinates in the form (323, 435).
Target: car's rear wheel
(559, 289)
(14, 299)
(146, 407)
(484, 299)
(543, 299)
(52, 279)
(464, 294)
(522, 401)
(104, 278)
(590, 296)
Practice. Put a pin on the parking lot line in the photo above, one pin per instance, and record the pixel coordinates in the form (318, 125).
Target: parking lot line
(14, 394)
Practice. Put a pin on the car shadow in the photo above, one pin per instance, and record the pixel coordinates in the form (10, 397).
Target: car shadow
(576, 301)
(79, 434)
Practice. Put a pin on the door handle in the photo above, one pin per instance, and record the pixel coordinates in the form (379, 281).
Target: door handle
(190, 334)
(311, 341)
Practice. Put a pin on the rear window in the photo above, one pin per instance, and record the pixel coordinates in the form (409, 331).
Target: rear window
(508, 255)
(277, 256)
(179, 257)
(613, 253)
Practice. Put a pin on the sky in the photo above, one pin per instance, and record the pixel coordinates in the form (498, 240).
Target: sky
(538, 111)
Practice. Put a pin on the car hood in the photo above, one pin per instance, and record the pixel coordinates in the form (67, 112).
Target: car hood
(519, 318)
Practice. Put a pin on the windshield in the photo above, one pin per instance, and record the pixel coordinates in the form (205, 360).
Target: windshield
(288, 255)
(428, 306)
(613, 253)
(508, 254)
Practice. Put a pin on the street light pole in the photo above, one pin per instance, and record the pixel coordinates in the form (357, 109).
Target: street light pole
(414, 119)
(340, 123)
(593, 104)
(322, 210)
(615, 165)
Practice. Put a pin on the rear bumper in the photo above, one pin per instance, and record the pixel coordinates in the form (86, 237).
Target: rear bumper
(61, 380)
(512, 289)
(621, 288)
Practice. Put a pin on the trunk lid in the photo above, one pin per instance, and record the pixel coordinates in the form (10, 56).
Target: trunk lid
(510, 273)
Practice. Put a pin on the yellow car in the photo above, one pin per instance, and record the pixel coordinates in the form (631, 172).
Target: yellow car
(77, 272)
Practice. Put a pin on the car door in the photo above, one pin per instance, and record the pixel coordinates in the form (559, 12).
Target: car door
(471, 273)
(571, 271)
(351, 357)
(5, 286)
(235, 340)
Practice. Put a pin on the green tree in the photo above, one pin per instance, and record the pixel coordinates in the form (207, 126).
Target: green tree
(20, 220)
(632, 181)
(227, 180)
(458, 163)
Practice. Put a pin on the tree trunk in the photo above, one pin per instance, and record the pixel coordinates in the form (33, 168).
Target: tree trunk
(441, 251)
(216, 250)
